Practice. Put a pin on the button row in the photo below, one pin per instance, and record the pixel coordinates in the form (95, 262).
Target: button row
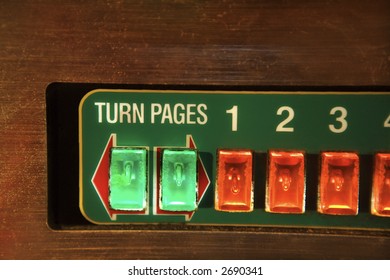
(338, 184)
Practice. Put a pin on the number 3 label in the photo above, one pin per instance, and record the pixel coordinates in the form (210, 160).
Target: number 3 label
(341, 119)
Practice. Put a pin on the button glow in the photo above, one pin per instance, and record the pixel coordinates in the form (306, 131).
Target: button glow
(285, 192)
(234, 186)
(339, 183)
(380, 199)
(128, 178)
(179, 184)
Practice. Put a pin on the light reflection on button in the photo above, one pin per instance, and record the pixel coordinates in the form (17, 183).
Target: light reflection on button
(234, 186)
(128, 178)
(285, 191)
(179, 184)
(380, 199)
(339, 183)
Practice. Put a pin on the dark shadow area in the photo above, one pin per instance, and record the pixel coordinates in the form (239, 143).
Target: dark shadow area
(312, 165)
(260, 179)
(365, 182)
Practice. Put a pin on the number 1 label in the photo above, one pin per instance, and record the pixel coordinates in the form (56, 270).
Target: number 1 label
(234, 112)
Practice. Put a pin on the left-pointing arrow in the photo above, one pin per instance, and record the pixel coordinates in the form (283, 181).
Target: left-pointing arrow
(100, 181)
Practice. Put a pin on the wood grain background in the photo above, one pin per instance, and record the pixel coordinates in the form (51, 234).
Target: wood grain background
(328, 43)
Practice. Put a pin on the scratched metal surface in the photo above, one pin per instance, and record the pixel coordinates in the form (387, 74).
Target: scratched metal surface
(172, 42)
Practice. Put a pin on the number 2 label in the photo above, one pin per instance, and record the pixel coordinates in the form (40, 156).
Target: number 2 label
(290, 116)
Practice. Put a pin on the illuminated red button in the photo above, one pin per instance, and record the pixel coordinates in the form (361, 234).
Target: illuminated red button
(339, 184)
(234, 187)
(380, 199)
(285, 191)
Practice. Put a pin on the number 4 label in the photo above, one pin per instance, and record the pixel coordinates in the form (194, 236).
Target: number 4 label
(387, 122)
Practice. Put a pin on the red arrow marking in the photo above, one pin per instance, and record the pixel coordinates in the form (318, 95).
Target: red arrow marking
(203, 177)
(203, 182)
(100, 181)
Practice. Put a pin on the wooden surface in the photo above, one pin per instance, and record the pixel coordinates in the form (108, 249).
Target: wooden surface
(172, 42)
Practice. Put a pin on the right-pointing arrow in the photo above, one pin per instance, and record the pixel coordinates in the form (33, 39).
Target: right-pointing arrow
(203, 177)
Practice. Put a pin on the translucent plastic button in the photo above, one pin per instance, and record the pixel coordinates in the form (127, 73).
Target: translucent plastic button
(380, 200)
(179, 186)
(339, 183)
(234, 186)
(128, 178)
(285, 191)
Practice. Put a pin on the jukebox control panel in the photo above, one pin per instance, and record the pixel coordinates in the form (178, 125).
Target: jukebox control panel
(272, 158)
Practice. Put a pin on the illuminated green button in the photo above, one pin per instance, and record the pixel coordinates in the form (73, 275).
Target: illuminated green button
(178, 180)
(128, 178)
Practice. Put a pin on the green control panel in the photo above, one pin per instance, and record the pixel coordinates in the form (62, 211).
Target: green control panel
(291, 159)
